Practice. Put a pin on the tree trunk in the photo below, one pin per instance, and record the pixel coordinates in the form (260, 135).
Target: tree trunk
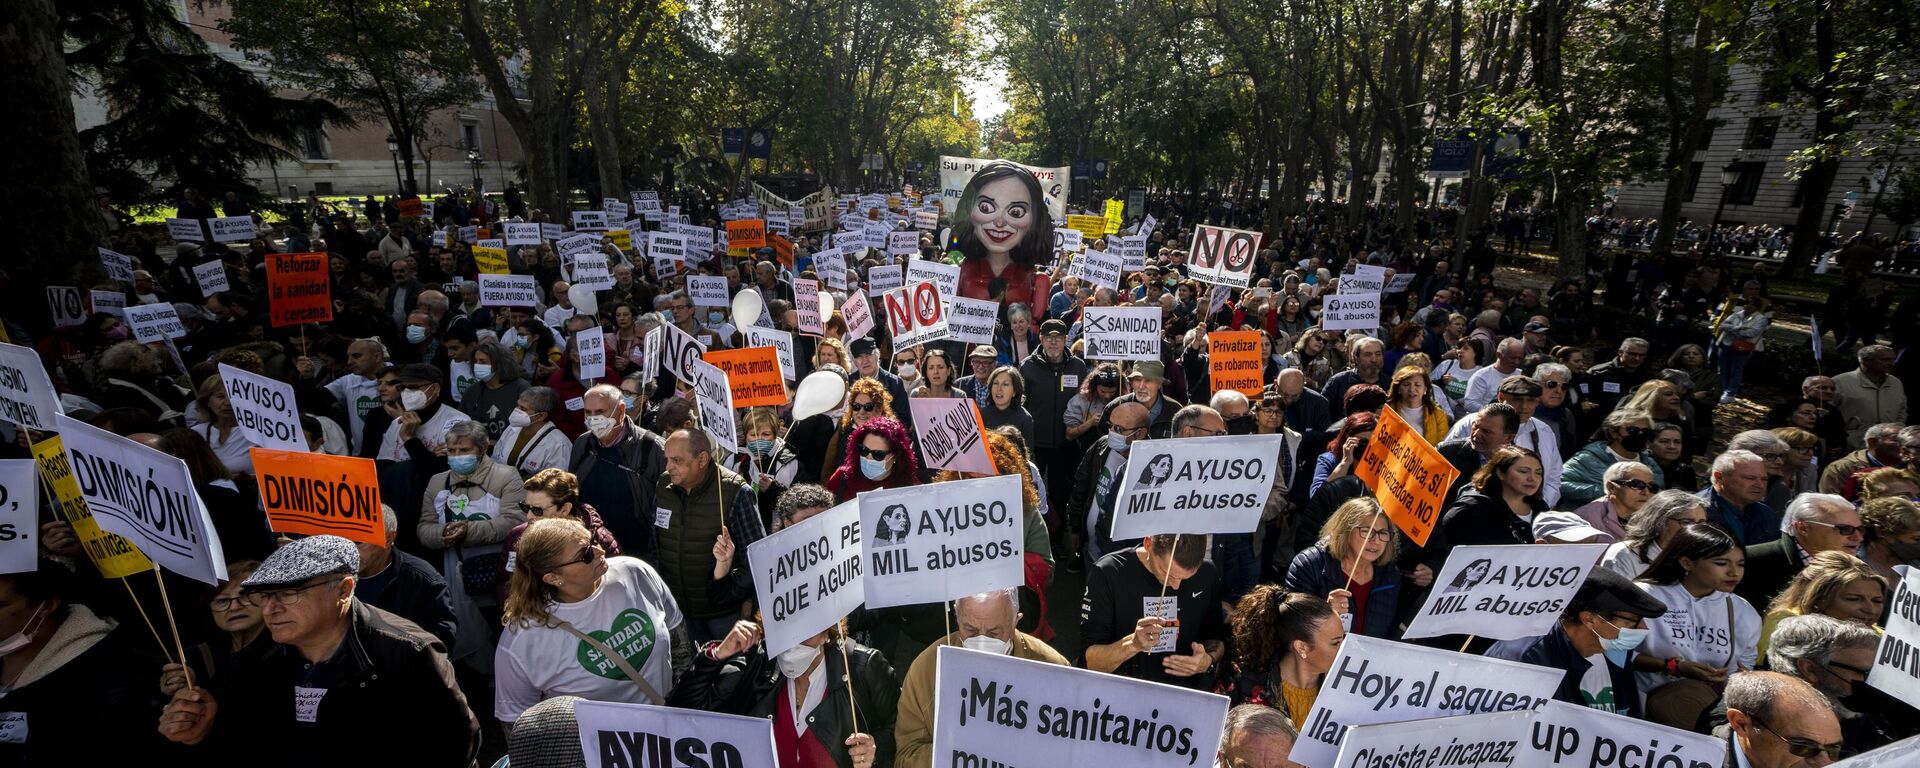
(1686, 138)
(59, 199)
(603, 122)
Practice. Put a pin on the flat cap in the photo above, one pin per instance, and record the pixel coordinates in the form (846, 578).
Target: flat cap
(304, 559)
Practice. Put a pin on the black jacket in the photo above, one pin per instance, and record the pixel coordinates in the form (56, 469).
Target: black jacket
(1555, 650)
(643, 457)
(750, 685)
(1316, 572)
(1770, 567)
(1086, 479)
(1048, 394)
(97, 706)
(414, 590)
(1476, 518)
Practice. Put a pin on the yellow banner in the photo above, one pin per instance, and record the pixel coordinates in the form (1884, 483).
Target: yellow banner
(1116, 215)
(620, 237)
(116, 557)
(491, 261)
(1089, 226)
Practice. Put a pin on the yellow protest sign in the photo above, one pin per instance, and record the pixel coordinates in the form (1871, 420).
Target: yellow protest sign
(1408, 476)
(116, 557)
(1116, 215)
(620, 237)
(1233, 362)
(491, 261)
(1089, 226)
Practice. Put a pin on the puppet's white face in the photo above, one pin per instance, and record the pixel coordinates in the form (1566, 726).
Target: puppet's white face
(1002, 214)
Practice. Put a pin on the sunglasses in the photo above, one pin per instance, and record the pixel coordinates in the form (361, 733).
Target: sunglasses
(1802, 747)
(587, 555)
(866, 406)
(1639, 485)
(877, 454)
(1551, 384)
(1839, 528)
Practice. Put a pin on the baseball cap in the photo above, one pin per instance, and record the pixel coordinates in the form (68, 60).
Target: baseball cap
(1053, 327)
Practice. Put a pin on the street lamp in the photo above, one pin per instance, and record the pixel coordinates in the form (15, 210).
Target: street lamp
(473, 159)
(393, 151)
(1728, 175)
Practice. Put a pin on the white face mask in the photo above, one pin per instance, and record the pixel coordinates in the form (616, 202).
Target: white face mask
(907, 370)
(519, 418)
(24, 637)
(601, 426)
(987, 644)
(413, 399)
(795, 661)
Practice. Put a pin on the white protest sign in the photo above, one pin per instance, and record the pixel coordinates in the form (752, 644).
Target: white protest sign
(146, 496)
(619, 735)
(831, 266)
(1099, 268)
(590, 348)
(806, 307)
(665, 268)
(586, 221)
(1343, 311)
(212, 277)
(807, 575)
(948, 430)
(715, 398)
(707, 290)
(1196, 485)
(1222, 256)
(1133, 252)
(1896, 665)
(552, 230)
(186, 231)
(932, 547)
(119, 266)
(1504, 592)
(19, 509)
(509, 291)
(1400, 282)
(972, 320)
(663, 245)
(265, 409)
(1147, 225)
(680, 351)
(875, 235)
(110, 302)
(1123, 333)
(1380, 681)
(1068, 240)
(1576, 735)
(26, 392)
(649, 353)
(941, 274)
(232, 229)
(781, 341)
(155, 322)
(903, 243)
(858, 313)
(885, 278)
(66, 305)
(469, 233)
(590, 270)
(571, 248)
(1366, 278)
(1494, 738)
(1896, 755)
(915, 315)
(991, 709)
(522, 234)
(614, 207)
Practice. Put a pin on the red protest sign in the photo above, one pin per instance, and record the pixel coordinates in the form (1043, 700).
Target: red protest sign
(297, 289)
(747, 233)
(411, 208)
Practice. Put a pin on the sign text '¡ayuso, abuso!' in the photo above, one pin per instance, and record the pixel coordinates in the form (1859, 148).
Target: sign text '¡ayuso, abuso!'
(939, 521)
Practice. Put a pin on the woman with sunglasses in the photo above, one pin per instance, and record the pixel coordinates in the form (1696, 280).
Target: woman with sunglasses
(580, 623)
(1708, 631)
(1623, 436)
(878, 455)
(1629, 485)
(551, 493)
(867, 399)
(1835, 584)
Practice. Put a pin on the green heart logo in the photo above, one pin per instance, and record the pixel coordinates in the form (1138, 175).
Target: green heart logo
(631, 637)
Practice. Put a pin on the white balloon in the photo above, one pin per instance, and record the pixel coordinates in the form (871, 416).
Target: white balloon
(826, 306)
(584, 302)
(747, 307)
(819, 392)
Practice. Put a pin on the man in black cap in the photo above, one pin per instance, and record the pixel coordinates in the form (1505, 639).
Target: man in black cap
(1053, 377)
(981, 361)
(1594, 643)
(866, 363)
(1538, 338)
(338, 676)
(419, 429)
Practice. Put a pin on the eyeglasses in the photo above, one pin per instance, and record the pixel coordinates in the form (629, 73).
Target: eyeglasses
(1863, 672)
(1773, 456)
(530, 509)
(1839, 528)
(1801, 747)
(1373, 534)
(1130, 430)
(1205, 431)
(1639, 485)
(877, 454)
(286, 597)
(866, 406)
(1551, 384)
(224, 604)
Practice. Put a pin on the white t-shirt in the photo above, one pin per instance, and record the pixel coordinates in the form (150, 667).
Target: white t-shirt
(1621, 559)
(1484, 385)
(1696, 630)
(358, 394)
(432, 433)
(235, 453)
(632, 612)
(1596, 686)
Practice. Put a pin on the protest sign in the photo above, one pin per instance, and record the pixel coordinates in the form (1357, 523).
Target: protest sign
(1504, 592)
(858, 313)
(589, 221)
(1343, 311)
(614, 207)
(806, 307)
(1099, 268)
(955, 172)
(19, 512)
(874, 236)
(212, 277)
(264, 408)
(903, 243)
(746, 233)
(931, 547)
(523, 234)
(509, 291)
(1123, 333)
(1380, 681)
(926, 221)
(146, 496)
(119, 266)
(754, 376)
(1366, 278)
(1896, 665)
(915, 315)
(232, 229)
(590, 270)
(1222, 256)
(991, 709)
(972, 320)
(715, 398)
(707, 290)
(619, 735)
(1400, 282)
(1067, 240)
(1132, 251)
(621, 238)
(66, 305)
(831, 267)
(590, 349)
(572, 247)
(469, 234)
(780, 341)
(312, 494)
(155, 322)
(664, 245)
(807, 575)
(943, 275)
(1233, 362)
(1494, 738)
(649, 353)
(297, 289)
(1089, 227)
(885, 278)
(1196, 485)
(114, 556)
(679, 351)
(411, 208)
(1576, 735)
(27, 396)
(949, 430)
(186, 231)
(1407, 475)
(1896, 755)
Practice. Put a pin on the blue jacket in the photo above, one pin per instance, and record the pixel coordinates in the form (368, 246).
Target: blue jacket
(1555, 650)
(1757, 524)
(1316, 572)
(1583, 477)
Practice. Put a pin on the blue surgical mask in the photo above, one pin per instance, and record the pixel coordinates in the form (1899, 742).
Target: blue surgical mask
(1622, 644)
(483, 372)
(1116, 441)
(760, 447)
(519, 342)
(632, 402)
(463, 464)
(416, 334)
(874, 469)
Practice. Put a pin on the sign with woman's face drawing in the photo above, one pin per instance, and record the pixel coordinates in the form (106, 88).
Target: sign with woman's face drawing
(1196, 485)
(929, 545)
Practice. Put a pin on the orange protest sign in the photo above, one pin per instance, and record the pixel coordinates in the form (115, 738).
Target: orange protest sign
(312, 494)
(782, 250)
(1407, 475)
(1233, 362)
(411, 208)
(753, 374)
(747, 233)
(297, 289)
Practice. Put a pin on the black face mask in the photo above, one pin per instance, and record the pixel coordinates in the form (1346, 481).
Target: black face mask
(1634, 441)
(1240, 425)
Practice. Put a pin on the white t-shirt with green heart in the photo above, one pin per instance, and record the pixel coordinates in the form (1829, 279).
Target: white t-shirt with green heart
(632, 613)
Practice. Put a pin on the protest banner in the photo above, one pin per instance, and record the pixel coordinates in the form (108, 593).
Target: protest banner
(1222, 256)
(915, 315)
(509, 291)
(312, 494)
(746, 233)
(1365, 279)
(858, 313)
(490, 261)
(1233, 362)
(297, 289)
(572, 247)
(114, 556)
(212, 277)
(621, 238)
(1196, 485)
(264, 408)
(590, 352)
(522, 234)
(410, 208)
(232, 229)
(1123, 333)
(885, 278)
(944, 276)
(620, 735)
(931, 547)
(903, 243)
(806, 307)
(1380, 681)
(1344, 311)
(186, 231)
(1100, 269)
(155, 322)
(991, 709)
(589, 221)
(780, 341)
(1576, 735)
(807, 575)
(119, 266)
(146, 496)
(1896, 755)
(1896, 665)
(707, 290)
(1504, 592)
(955, 172)
(66, 305)
(1089, 227)
(614, 208)
(1407, 475)
(590, 270)
(19, 514)
(754, 376)
(972, 320)
(715, 398)
(949, 430)
(679, 351)
(27, 397)
(665, 245)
